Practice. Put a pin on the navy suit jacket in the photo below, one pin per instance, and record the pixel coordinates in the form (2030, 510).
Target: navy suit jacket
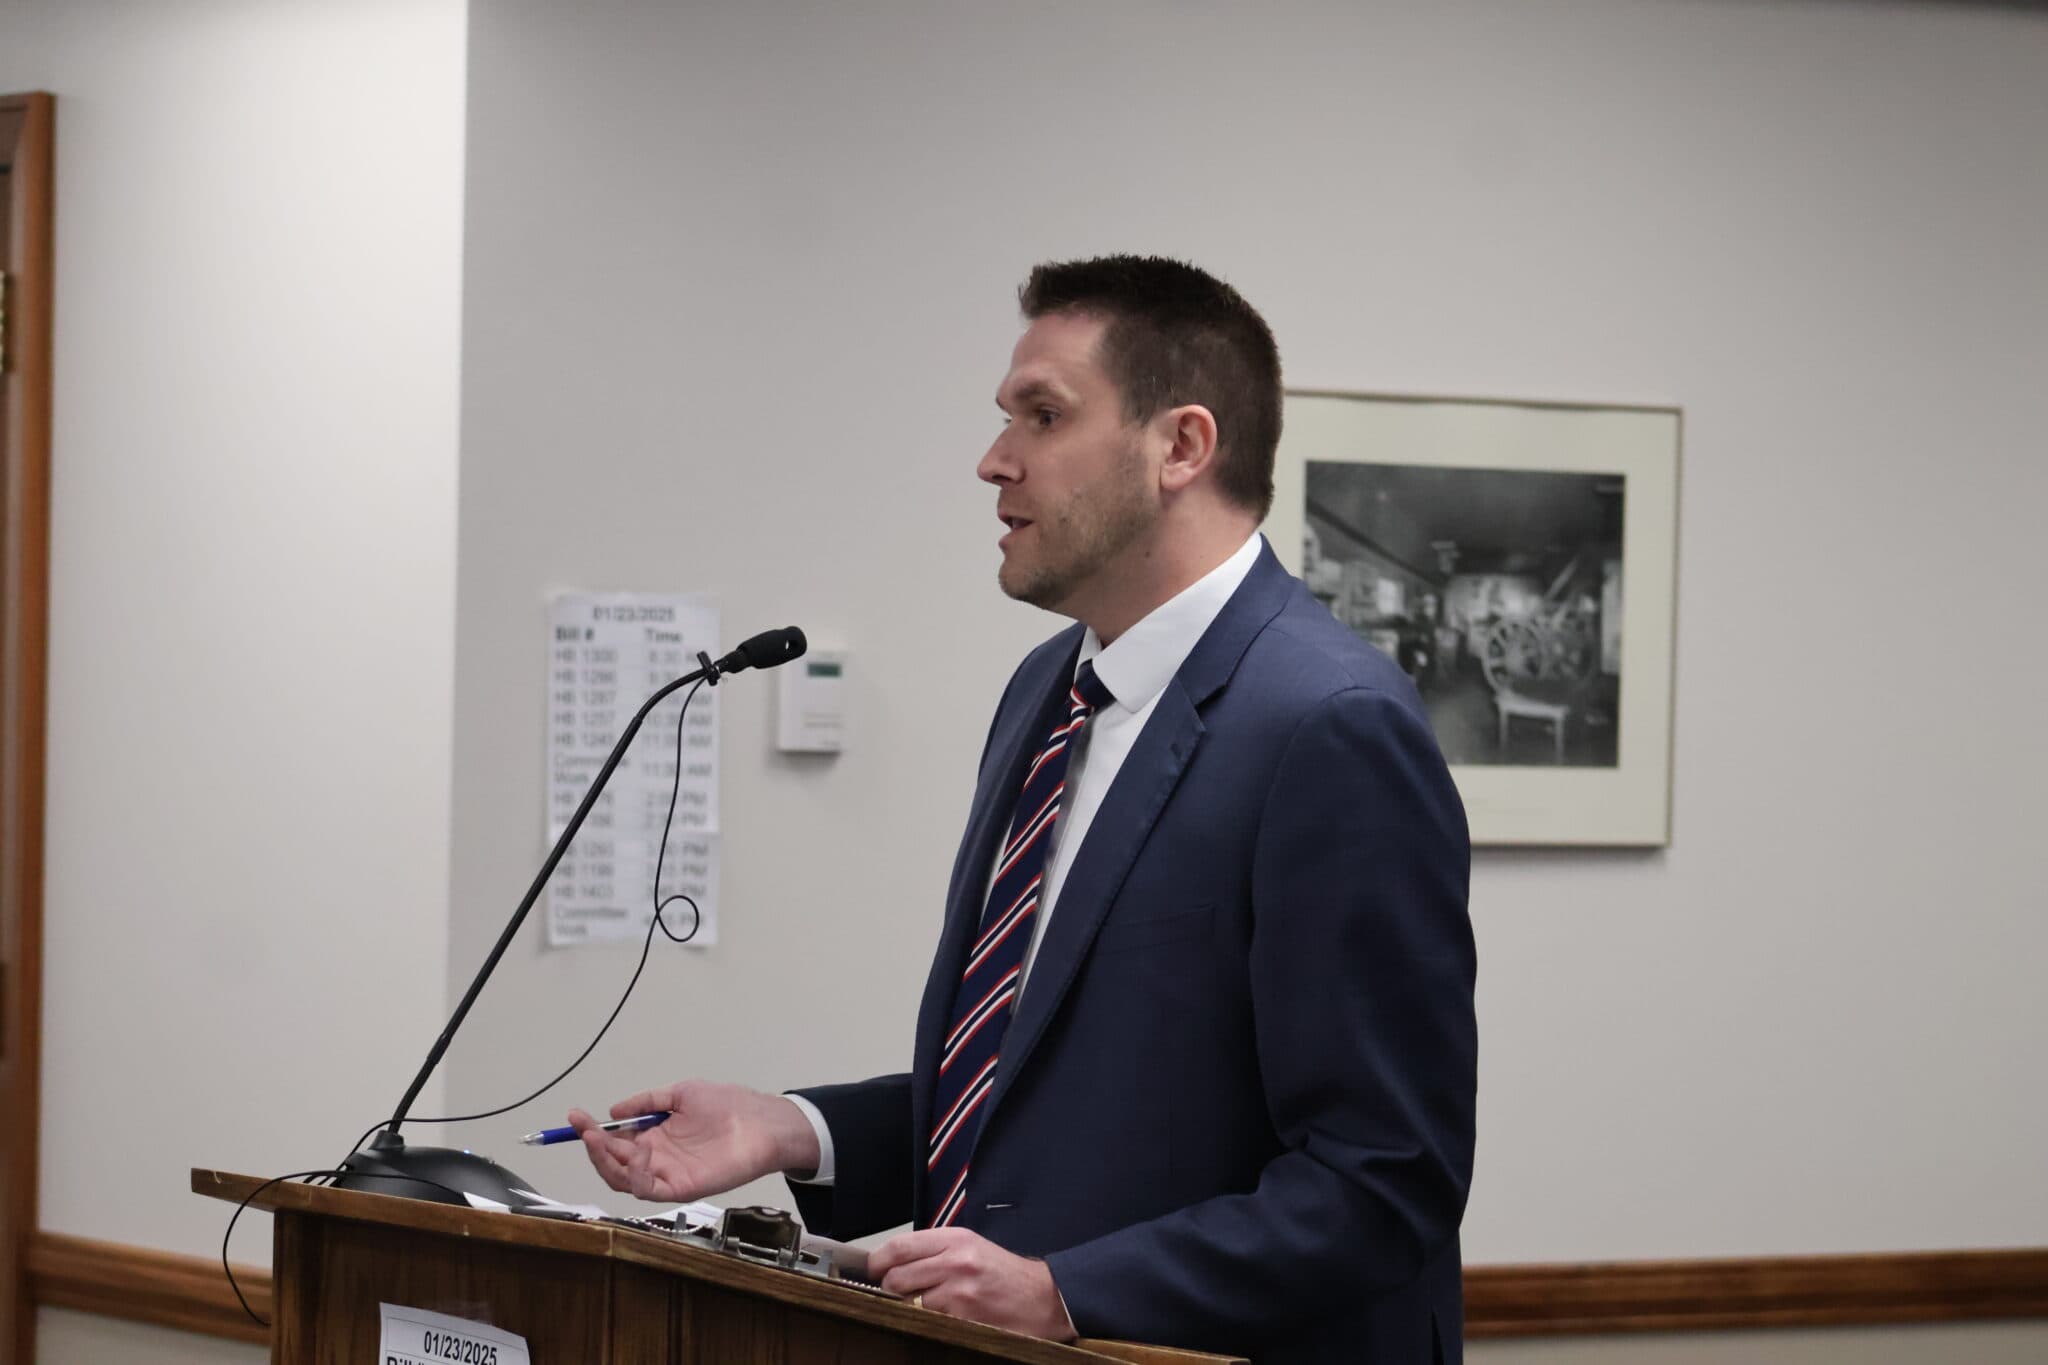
(1234, 1110)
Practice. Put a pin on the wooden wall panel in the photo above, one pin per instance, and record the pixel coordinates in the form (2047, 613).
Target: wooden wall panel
(1789, 1291)
(190, 1293)
(157, 1287)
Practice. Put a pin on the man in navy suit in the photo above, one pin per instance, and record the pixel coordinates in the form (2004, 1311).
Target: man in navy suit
(1196, 1059)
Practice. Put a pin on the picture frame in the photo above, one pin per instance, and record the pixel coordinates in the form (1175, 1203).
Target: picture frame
(1519, 560)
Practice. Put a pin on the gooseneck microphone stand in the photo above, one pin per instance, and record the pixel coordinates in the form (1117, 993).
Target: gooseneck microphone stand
(442, 1174)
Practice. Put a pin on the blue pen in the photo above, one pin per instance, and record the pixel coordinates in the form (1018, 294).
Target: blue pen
(548, 1137)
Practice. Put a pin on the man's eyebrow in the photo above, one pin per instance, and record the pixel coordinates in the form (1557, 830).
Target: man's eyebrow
(1034, 390)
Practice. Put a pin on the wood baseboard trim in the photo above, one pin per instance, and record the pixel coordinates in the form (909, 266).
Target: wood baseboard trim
(159, 1287)
(191, 1294)
(1782, 1291)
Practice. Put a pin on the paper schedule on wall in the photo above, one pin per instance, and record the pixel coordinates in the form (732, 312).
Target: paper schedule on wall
(607, 653)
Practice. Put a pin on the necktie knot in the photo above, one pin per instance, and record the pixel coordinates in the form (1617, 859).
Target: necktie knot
(1091, 689)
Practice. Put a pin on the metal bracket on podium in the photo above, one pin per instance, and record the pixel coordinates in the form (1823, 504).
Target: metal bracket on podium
(760, 1233)
(763, 1235)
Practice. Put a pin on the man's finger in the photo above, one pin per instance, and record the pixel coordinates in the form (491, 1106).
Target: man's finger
(639, 1172)
(906, 1247)
(609, 1168)
(598, 1145)
(917, 1276)
(646, 1102)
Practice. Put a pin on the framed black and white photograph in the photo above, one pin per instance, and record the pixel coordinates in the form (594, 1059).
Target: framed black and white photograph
(1518, 561)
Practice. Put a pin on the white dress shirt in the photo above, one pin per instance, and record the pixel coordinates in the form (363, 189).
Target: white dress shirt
(1135, 667)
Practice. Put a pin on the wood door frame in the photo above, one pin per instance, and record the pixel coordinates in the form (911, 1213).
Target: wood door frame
(28, 257)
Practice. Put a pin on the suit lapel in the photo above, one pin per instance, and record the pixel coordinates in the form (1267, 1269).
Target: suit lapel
(1128, 813)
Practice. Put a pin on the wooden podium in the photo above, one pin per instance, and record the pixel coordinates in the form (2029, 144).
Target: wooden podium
(592, 1294)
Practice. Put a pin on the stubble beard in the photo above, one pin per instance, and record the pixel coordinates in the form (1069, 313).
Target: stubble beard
(1080, 539)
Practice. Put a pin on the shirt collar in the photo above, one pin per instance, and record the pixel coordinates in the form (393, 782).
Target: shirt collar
(1142, 660)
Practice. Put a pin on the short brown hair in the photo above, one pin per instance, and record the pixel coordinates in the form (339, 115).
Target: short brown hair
(1177, 335)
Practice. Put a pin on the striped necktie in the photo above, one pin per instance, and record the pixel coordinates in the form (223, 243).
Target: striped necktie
(995, 962)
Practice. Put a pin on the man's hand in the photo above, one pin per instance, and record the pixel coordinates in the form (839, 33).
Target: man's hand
(966, 1275)
(719, 1136)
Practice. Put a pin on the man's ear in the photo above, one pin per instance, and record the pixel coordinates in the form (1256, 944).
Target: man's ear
(1189, 432)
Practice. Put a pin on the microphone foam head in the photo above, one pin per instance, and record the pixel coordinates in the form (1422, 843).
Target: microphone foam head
(794, 644)
(769, 649)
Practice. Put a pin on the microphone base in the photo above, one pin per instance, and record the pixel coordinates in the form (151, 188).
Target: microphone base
(440, 1175)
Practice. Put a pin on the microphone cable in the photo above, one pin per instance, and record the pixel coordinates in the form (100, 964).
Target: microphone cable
(243, 1206)
(661, 903)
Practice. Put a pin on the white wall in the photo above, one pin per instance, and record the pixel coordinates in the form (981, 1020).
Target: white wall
(739, 291)
(251, 656)
(21, 39)
(68, 1338)
(737, 296)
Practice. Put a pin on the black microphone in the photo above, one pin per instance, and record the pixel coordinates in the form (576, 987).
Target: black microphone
(441, 1174)
(766, 650)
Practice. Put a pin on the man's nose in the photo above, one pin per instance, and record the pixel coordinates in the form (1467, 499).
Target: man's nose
(996, 466)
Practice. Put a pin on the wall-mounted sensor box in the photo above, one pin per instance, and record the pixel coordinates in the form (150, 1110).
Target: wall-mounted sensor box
(810, 710)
